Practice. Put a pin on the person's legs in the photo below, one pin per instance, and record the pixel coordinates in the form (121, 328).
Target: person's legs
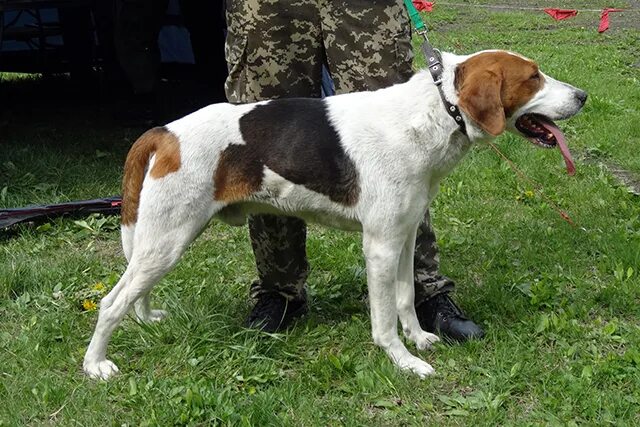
(368, 47)
(137, 25)
(114, 79)
(426, 262)
(273, 50)
(436, 311)
(77, 34)
(281, 260)
(205, 22)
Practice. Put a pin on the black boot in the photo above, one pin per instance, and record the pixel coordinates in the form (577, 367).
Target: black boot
(440, 315)
(273, 312)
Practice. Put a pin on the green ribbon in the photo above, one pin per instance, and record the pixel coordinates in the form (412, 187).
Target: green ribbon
(418, 23)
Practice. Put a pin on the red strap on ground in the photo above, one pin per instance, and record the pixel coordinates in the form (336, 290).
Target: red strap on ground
(423, 5)
(604, 19)
(537, 187)
(560, 14)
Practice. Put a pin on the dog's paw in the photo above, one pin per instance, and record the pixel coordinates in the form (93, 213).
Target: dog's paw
(417, 366)
(100, 370)
(152, 316)
(157, 315)
(425, 340)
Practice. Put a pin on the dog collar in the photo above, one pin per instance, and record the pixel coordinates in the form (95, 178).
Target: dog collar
(434, 61)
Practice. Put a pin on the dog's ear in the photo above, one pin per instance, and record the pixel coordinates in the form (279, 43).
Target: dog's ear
(480, 97)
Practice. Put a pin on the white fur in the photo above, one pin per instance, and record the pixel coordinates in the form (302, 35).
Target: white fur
(402, 143)
(556, 100)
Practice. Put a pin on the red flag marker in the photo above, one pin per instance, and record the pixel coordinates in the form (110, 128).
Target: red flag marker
(604, 19)
(424, 5)
(560, 14)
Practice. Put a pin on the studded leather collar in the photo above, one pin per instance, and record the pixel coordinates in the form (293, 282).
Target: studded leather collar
(434, 62)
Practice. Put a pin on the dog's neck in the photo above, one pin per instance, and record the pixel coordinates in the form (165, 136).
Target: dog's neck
(429, 121)
(450, 62)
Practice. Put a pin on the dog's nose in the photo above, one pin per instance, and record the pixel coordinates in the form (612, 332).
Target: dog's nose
(582, 96)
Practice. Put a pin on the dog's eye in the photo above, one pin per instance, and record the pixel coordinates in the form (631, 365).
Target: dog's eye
(535, 76)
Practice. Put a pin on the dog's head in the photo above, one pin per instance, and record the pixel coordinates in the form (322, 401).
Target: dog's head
(501, 91)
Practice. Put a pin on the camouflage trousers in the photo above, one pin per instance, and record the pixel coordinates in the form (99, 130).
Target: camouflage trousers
(276, 49)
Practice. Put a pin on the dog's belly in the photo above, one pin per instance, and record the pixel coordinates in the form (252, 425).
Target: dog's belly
(237, 213)
(279, 196)
(341, 223)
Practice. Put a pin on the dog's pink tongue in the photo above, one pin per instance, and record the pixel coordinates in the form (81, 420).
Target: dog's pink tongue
(564, 149)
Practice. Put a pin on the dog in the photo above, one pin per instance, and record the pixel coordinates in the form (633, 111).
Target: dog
(365, 161)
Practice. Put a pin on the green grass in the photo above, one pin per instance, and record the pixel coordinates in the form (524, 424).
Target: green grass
(560, 304)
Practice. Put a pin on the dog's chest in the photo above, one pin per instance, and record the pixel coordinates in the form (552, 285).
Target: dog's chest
(442, 159)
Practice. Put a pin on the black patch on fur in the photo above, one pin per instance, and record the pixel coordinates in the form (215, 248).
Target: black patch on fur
(294, 138)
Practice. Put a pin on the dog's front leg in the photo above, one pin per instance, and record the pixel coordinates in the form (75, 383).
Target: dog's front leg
(405, 297)
(382, 252)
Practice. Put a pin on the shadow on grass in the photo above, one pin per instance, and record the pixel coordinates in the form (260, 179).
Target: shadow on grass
(59, 142)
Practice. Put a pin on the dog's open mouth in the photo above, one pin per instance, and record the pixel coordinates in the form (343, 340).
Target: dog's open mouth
(543, 132)
(537, 129)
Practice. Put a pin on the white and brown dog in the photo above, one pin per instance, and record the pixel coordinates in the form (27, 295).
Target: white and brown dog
(367, 161)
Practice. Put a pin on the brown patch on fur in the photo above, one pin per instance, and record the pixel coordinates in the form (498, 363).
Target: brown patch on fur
(166, 147)
(167, 155)
(235, 179)
(493, 85)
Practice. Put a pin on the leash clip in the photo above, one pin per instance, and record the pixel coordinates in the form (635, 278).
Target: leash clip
(423, 32)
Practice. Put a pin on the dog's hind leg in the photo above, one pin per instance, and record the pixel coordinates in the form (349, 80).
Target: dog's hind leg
(157, 248)
(142, 306)
(405, 297)
(126, 236)
(136, 281)
(127, 233)
(144, 312)
(382, 254)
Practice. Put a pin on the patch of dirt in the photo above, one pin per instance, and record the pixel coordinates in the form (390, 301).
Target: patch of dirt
(629, 179)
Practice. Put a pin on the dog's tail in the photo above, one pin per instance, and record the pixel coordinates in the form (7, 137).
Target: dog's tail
(164, 144)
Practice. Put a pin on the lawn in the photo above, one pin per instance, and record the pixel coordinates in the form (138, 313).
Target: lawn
(559, 303)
